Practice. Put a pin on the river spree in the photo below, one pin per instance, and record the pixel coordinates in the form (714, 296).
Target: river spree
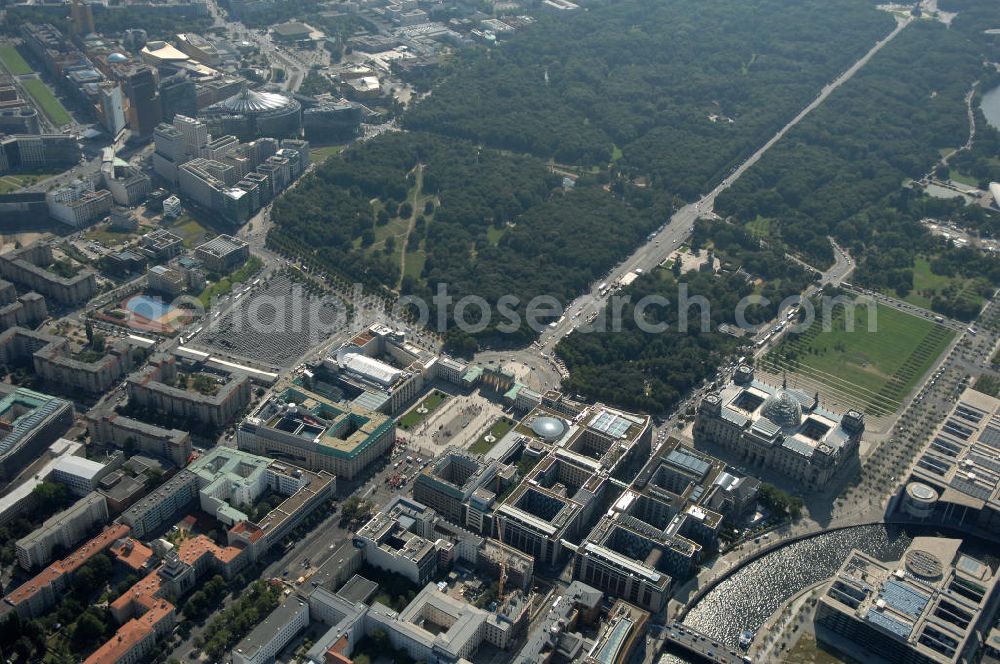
(746, 599)
(991, 107)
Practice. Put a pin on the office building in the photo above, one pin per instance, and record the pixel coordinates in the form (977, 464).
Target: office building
(31, 151)
(388, 542)
(781, 429)
(231, 479)
(78, 203)
(112, 107)
(956, 477)
(178, 96)
(223, 254)
(19, 499)
(172, 207)
(31, 421)
(142, 93)
(161, 244)
(166, 280)
(436, 628)
(584, 457)
(112, 428)
(463, 488)
(316, 433)
(82, 475)
(249, 114)
(934, 606)
(81, 18)
(226, 480)
(338, 120)
(129, 185)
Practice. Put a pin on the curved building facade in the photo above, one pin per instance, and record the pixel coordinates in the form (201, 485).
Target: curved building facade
(251, 114)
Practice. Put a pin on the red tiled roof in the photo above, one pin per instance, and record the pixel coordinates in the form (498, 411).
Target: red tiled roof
(143, 593)
(191, 550)
(132, 553)
(253, 533)
(71, 563)
(131, 633)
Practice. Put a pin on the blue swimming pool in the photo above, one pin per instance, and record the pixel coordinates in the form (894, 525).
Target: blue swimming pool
(148, 306)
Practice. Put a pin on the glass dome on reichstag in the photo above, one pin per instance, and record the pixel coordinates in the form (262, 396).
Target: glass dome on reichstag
(783, 409)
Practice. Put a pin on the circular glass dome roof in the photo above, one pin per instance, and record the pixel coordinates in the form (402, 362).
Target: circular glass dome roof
(783, 409)
(548, 428)
(117, 57)
(248, 101)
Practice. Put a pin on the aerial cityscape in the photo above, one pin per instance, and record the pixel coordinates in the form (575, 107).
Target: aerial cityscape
(499, 332)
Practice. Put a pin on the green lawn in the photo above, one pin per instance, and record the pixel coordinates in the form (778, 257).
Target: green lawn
(926, 285)
(51, 106)
(493, 234)
(498, 431)
(6, 186)
(877, 369)
(13, 61)
(189, 230)
(321, 153)
(13, 182)
(761, 227)
(108, 237)
(224, 285)
(962, 178)
(414, 417)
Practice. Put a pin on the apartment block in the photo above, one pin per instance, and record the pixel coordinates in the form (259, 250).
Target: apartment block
(28, 267)
(112, 428)
(151, 388)
(64, 529)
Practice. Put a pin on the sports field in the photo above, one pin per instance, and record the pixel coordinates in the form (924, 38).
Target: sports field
(13, 61)
(51, 106)
(874, 370)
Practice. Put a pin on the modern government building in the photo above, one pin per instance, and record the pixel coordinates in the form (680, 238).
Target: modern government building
(781, 429)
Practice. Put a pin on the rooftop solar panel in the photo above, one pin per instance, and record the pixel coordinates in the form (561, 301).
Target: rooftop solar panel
(886, 621)
(991, 437)
(904, 598)
(970, 488)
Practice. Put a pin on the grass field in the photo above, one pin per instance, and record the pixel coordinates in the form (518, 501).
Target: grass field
(497, 431)
(13, 61)
(415, 417)
(926, 285)
(321, 153)
(12, 182)
(876, 370)
(224, 285)
(51, 106)
(189, 230)
(962, 178)
(6, 186)
(109, 238)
